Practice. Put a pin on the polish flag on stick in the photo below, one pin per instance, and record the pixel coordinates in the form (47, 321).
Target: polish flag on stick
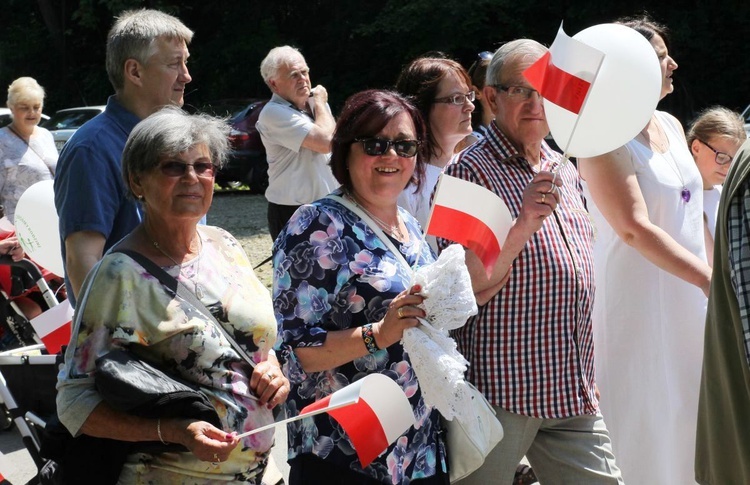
(565, 74)
(53, 326)
(374, 412)
(472, 216)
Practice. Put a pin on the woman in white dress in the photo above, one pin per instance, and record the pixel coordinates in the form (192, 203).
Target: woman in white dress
(441, 90)
(651, 281)
(714, 138)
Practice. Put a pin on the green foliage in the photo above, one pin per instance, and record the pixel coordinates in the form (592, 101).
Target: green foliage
(356, 45)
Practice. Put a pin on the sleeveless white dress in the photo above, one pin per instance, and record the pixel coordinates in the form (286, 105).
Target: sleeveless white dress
(648, 324)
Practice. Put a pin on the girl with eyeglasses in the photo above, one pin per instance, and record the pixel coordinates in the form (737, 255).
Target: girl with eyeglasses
(441, 90)
(714, 138)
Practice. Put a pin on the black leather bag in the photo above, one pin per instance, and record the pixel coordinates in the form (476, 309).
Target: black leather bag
(135, 387)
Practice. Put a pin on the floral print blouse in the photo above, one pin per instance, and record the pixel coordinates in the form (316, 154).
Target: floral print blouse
(331, 272)
(124, 306)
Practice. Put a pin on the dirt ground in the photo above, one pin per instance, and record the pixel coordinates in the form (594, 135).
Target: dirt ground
(244, 216)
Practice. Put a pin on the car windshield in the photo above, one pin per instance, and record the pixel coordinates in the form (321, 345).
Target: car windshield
(69, 120)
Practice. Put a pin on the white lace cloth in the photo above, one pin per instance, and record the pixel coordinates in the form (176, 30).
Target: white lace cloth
(449, 302)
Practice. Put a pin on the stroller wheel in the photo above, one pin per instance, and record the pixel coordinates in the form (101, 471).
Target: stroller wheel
(6, 421)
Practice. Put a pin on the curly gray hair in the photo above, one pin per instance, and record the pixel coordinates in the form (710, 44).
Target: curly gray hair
(169, 132)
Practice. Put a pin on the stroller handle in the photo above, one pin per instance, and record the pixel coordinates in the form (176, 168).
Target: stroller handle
(25, 264)
(33, 271)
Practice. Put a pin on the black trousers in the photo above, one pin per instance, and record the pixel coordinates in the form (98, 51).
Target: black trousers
(278, 216)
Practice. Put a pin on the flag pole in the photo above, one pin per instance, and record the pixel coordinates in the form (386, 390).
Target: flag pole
(566, 156)
(296, 418)
(415, 267)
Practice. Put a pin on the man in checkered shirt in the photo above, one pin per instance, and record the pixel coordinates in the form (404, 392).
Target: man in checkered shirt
(530, 347)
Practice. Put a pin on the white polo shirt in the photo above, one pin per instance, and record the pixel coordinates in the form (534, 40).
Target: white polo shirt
(296, 175)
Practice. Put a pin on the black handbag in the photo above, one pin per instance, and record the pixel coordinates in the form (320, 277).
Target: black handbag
(133, 386)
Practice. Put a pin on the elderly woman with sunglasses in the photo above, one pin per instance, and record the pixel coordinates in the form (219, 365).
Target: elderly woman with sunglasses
(169, 164)
(441, 90)
(343, 298)
(714, 139)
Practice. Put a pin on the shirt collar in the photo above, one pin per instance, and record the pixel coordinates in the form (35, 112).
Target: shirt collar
(506, 152)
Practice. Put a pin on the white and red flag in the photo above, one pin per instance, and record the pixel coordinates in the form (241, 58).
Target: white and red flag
(472, 216)
(564, 75)
(374, 412)
(53, 326)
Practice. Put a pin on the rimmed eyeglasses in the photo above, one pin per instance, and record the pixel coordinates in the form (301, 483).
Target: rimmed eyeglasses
(457, 99)
(721, 158)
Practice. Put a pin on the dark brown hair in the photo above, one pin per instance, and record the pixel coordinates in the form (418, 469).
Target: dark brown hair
(419, 81)
(646, 26)
(364, 115)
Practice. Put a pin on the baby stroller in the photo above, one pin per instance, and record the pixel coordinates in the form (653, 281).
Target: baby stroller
(28, 373)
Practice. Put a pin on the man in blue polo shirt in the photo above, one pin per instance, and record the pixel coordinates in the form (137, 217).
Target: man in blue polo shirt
(147, 65)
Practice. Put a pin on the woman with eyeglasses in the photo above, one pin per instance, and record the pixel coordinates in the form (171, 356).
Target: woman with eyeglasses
(714, 139)
(169, 164)
(343, 296)
(652, 278)
(441, 90)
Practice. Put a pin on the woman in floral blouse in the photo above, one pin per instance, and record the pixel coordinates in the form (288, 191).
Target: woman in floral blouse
(169, 163)
(343, 299)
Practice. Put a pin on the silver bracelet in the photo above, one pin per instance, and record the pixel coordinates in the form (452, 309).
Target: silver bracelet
(158, 431)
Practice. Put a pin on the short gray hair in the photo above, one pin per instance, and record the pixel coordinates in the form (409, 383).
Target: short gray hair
(169, 132)
(133, 37)
(24, 89)
(511, 52)
(275, 58)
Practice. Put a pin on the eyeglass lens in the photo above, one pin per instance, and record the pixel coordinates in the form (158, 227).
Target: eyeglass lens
(458, 99)
(178, 169)
(721, 158)
(376, 147)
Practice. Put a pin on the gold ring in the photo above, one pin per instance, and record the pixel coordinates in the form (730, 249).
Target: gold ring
(400, 312)
(543, 196)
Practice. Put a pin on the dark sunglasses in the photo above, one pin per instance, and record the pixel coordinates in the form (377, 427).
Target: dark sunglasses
(178, 169)
(376, 147)
(485, 56)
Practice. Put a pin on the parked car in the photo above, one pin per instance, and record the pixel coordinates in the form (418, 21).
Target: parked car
(247, 162)
(65, 122)
(6, 118)
(746, 117)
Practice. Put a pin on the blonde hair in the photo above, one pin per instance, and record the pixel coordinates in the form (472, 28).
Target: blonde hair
(717, 121)
(24, 89)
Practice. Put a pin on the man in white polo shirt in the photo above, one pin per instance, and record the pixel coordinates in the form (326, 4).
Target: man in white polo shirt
(296, 127)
